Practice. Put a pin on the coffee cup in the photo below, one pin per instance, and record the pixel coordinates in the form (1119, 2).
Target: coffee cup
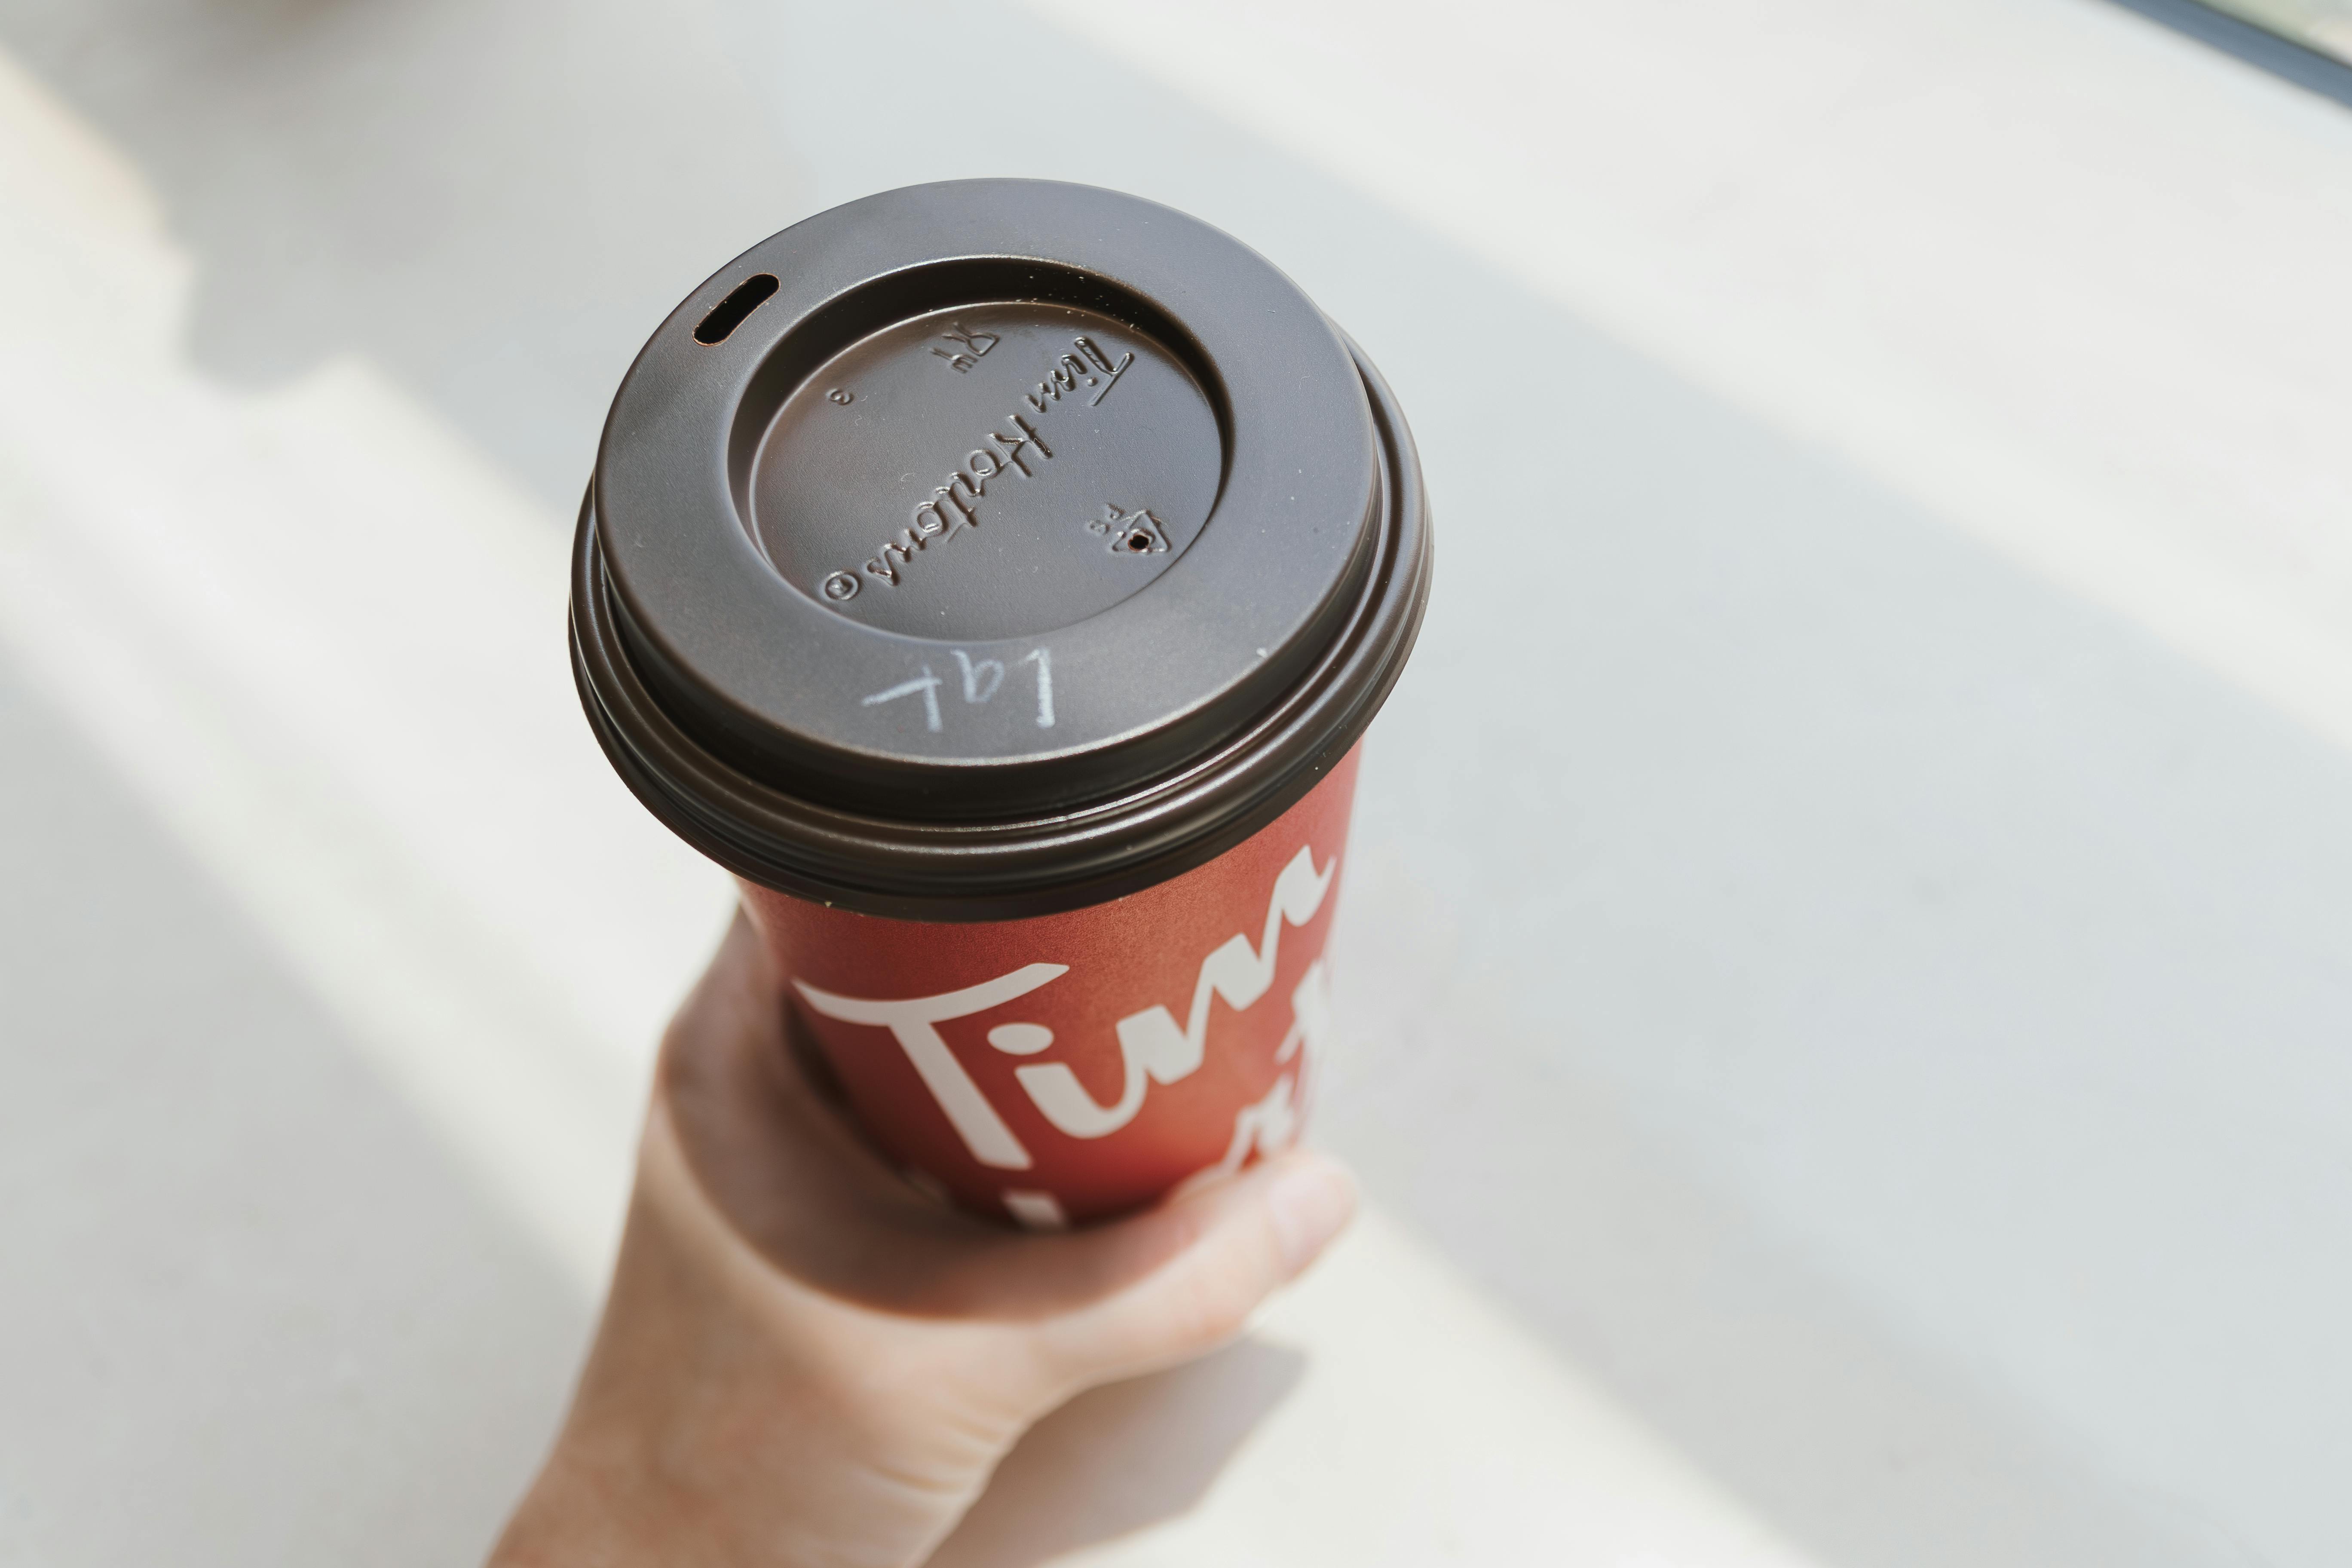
(998, 577)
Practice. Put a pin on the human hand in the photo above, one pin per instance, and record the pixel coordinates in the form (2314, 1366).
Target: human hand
(805, 1363)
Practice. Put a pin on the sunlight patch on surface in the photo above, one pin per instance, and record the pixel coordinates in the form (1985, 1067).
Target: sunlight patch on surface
(2048, 270)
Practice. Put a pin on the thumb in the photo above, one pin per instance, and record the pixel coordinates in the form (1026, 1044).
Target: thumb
(1219, 1254)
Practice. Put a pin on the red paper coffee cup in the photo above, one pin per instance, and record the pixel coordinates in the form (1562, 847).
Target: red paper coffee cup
(998, 577)
(1073, 1065)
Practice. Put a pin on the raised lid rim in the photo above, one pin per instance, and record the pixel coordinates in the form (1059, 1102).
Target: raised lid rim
(1051, 861)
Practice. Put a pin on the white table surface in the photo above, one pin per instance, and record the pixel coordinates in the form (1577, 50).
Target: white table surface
(1845, 947)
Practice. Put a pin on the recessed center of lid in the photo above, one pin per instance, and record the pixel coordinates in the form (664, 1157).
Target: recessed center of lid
(995, 470)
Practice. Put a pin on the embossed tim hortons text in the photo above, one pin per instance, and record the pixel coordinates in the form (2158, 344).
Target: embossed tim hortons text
(1070, 372)
(954, 507)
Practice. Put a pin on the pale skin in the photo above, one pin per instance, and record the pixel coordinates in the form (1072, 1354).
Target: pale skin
(805, 1363)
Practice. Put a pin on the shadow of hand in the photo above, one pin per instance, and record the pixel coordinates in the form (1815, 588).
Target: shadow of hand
(804, 1361)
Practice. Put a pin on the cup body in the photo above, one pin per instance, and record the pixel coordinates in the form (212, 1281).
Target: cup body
(1073, 1066)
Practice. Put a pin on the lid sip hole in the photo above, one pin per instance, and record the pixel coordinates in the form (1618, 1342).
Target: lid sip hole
(727, 315)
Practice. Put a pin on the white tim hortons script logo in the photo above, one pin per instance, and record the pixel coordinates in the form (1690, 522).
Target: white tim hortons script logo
(1153, 1047)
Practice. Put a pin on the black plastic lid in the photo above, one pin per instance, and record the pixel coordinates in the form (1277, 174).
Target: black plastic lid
(987, 548)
